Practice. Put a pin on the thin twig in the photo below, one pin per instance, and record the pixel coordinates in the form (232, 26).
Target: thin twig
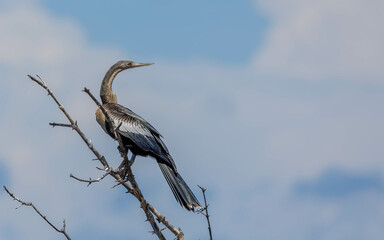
(62, 230)
(60, 124)
(90, 181)
(118, 184)
(206, 214)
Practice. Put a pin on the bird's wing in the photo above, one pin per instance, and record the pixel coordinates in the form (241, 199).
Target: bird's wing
(139, 131)
(127, 112)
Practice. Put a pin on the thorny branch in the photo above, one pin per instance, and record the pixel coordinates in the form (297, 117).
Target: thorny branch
(134, 189)
(62, 230)
(206, 212)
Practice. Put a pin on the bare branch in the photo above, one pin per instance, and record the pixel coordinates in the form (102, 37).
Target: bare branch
(62, 230)
(135, 191)
(178, 233)
(206, 214)
(118, 184)
(90, 181)
(73, 123)
(61, 125)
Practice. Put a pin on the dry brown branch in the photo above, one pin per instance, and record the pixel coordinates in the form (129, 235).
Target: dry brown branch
(118, 184)
(134, 189)
(178, 233)
(206, 212)
(90, 180)
(62, 230)
(60, 124)
(73, 123)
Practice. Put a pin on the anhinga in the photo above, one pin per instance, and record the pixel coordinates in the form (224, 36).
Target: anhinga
(140, 137)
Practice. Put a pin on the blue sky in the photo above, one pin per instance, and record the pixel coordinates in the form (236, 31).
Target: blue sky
(273, 106)
(222, 31)
(336, 183)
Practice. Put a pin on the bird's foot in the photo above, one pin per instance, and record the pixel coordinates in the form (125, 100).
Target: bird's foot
(122, 171)
(132, 160)
(122, 152)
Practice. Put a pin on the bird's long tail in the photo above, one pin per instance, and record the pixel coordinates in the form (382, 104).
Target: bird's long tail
(180, 189)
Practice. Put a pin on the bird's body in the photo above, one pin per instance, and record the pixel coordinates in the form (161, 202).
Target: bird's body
(136, 133)
(140, 137)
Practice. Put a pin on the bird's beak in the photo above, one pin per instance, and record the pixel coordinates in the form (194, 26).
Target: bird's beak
(141, 64)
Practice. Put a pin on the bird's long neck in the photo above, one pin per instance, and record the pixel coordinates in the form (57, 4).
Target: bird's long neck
(106, 93)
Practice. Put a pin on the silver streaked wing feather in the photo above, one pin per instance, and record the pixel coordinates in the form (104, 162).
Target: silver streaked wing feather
(123, 111)
(139, 134)
(139, 131)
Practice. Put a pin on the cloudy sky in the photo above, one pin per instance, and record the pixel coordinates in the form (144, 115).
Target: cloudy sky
(273, 106)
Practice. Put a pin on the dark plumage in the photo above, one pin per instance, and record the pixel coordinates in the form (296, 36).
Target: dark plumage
(140, 137)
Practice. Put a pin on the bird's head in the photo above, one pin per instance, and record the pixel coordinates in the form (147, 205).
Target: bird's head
(122, 65)
(106, 93)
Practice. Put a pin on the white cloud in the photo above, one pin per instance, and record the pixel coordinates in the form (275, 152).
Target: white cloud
(323, 40)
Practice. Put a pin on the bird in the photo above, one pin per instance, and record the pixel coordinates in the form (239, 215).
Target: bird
(139, 136)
